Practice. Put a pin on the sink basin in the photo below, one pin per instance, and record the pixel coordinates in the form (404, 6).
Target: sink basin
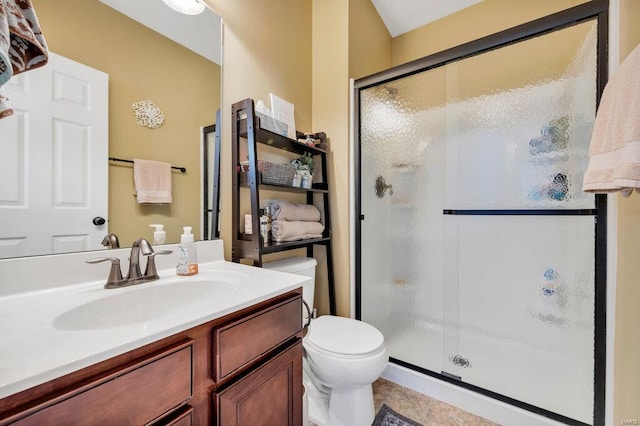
(143, 304)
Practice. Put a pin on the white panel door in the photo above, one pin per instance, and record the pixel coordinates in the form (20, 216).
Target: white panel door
(53, 160)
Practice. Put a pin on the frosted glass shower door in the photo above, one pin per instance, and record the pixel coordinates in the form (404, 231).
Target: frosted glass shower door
(402, 172)
(519, 231)
(477, 244)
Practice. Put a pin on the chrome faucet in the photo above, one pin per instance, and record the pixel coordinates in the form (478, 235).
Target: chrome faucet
(134, 276)
(111, 240)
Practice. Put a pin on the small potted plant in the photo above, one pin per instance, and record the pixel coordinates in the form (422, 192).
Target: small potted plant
(304, 170)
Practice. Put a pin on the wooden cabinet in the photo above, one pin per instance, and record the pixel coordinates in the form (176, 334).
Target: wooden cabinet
(246, 126)
(251, 358)
(263, 397)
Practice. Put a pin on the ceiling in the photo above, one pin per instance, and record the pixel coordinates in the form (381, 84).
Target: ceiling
(401, 16)
(199, 33)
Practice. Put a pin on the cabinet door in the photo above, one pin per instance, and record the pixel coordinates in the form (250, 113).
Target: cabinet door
(270, 395)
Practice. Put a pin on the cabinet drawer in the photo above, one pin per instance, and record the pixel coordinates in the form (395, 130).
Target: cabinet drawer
(239, 343)
(134, 395)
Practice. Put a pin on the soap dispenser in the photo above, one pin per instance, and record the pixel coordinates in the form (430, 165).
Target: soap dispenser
(159, 236)
(187, 256)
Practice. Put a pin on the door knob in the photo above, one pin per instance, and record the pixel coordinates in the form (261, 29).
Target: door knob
(98, 221)
(382, 186)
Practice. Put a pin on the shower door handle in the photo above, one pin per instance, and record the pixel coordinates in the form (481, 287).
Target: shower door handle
(382, 186)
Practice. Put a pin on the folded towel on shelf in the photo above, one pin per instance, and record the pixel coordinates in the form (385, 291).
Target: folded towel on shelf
(285, 230)
(284, 210)
(614, 154)
(22, 45)
(152, 180)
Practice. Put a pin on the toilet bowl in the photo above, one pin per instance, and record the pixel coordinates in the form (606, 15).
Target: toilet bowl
(342, 358)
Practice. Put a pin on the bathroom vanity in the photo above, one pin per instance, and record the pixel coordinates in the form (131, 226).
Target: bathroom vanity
(227, 353)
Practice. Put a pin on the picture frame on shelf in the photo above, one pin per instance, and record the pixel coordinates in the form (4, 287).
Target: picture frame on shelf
(283, 110)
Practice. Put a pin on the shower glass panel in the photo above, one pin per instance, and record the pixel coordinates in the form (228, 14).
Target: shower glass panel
(402, 140)
(518, 123)
(526, 303)
(477, 242)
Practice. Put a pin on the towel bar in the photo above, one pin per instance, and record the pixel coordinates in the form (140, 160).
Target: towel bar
(182, 169)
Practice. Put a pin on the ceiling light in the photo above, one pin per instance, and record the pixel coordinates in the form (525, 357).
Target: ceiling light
(188, 7)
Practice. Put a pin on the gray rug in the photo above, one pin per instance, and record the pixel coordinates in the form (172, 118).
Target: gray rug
(387, 417)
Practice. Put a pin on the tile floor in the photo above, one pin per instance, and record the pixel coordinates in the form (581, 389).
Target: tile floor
(421, 408)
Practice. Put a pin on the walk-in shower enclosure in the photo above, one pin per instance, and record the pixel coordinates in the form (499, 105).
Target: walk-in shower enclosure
(479, 255)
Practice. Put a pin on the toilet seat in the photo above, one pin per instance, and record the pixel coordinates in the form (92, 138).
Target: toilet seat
(343, 337)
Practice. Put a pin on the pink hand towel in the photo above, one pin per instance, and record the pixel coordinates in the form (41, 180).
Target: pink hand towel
(614, 154)
(153, 181)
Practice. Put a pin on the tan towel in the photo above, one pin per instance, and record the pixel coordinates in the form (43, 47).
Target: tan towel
(153, 181)
(22, 45)
(614, 155)
(284, 210)
(284, 230)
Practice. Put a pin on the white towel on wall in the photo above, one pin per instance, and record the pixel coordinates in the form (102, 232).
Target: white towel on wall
(614, 154)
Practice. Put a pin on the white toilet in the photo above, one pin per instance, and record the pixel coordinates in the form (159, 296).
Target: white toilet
(342, 358)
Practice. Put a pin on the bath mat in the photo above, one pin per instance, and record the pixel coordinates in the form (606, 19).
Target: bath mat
(387, 417)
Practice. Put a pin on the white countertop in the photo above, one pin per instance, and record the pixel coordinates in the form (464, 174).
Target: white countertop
(54, 331)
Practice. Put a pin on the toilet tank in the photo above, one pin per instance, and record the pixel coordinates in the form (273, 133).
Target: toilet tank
(298, 265)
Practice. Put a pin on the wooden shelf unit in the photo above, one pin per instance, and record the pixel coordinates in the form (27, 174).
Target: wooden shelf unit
(246, 127)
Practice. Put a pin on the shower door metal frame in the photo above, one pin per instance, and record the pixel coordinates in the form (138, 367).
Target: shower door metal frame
(592, 10)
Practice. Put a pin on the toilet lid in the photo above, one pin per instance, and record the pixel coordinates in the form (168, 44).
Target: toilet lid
(344, 336)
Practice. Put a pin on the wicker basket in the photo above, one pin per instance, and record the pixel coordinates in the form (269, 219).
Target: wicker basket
(276, 174)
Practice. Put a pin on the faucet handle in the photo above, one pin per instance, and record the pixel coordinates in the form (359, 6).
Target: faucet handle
(151, 271)
(115, 274)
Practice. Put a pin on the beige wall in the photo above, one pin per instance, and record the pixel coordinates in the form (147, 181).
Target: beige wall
(141, 65)
(369, 40)
(330, 114)
(627, 335)
(267, 49)
(482, 19)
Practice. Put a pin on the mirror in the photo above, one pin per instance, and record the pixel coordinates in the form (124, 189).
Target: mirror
(141, 65)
